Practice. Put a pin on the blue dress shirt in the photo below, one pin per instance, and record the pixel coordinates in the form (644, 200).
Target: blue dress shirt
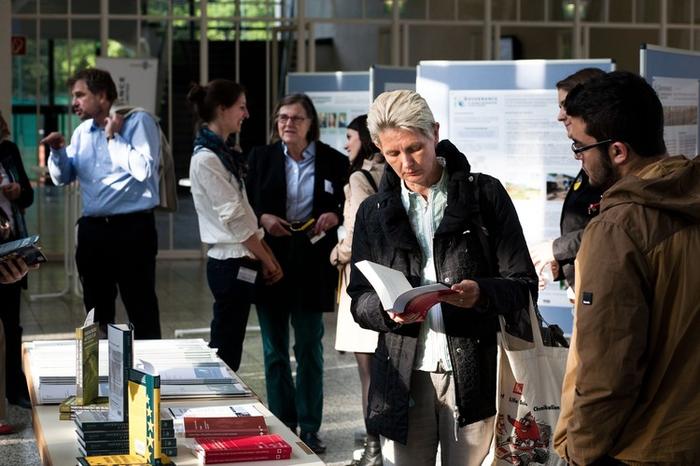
(300, 183)
(117, 176)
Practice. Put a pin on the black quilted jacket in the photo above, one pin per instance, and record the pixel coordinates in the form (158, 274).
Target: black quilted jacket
(479, 238)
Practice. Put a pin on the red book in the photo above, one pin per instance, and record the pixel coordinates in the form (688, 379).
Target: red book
(231, 450)
(224, 426)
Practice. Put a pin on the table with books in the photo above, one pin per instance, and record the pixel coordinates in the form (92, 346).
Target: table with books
(195, 390)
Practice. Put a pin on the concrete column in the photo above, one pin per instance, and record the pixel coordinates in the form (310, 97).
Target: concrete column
(301, 35)
(203, 44)
(395, 34)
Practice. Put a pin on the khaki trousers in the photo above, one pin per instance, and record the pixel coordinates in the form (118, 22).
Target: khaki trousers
(431, 423)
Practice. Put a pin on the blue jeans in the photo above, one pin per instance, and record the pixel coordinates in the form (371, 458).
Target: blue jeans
(232, 298)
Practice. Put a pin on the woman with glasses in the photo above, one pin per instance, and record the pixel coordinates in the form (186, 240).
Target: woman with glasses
(238, 256)
(295, 186)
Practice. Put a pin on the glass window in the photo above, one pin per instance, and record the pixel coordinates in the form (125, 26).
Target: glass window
(648, 11)
(470, 9)
(413, 9)
(532, 10)
(679, 13)
(122, 7)
(85, 7)
(24, 6)
(621, 11)
(123, 39)
(53, 6)
(504, 10)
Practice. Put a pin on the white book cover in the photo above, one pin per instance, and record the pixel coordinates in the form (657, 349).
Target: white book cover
(396, 293)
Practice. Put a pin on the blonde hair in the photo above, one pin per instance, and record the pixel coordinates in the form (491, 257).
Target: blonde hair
(401, 109)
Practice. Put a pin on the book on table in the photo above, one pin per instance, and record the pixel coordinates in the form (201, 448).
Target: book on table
(98, 421)
(396, 293)
(120, 339)
(118, 460)
(144, 413)
(231, 450)
(219, 421)
(69, 407)
(86, 361)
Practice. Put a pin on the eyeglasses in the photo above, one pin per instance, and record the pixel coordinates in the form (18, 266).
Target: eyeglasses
(294, 119)
(579, 150)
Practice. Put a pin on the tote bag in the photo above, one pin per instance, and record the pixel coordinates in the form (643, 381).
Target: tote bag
(528, 394)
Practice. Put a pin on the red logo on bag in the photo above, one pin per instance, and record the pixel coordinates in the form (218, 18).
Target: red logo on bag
(518, 388)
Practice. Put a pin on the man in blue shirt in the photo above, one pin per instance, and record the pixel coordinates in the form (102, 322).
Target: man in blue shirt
(115, 159)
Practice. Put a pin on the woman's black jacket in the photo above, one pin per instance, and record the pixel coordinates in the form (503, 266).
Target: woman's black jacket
(479, 238)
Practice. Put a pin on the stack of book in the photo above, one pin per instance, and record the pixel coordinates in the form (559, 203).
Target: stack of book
(69, 407)
(188, 369)
(228, 434)
(233, 450)
(97, 435)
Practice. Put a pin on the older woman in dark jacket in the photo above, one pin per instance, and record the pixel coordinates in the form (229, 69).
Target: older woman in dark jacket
(435, 381)
(295, 187)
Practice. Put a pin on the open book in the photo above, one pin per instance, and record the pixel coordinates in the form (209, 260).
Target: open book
(396, 293)
(26, 248)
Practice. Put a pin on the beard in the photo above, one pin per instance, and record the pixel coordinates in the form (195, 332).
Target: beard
(605, 174)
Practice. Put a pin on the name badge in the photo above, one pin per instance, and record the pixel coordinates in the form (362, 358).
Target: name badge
(246, 275)
(329, 186)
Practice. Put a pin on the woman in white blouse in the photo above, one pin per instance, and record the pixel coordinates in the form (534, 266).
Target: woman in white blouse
(366, 170)
(238, 256)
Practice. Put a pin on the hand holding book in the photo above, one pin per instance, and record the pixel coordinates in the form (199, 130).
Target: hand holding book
(467, 294)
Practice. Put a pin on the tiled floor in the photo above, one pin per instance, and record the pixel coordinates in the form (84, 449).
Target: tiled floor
(185, 303)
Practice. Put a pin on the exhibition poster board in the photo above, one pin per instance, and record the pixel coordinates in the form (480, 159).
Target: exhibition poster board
(338, 97)
(675, 75)
(503, 116)
(135, 78)
(391, 78)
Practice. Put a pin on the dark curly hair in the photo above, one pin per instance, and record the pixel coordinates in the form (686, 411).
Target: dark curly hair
(97, 81)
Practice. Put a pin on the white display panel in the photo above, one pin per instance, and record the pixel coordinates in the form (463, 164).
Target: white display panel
(135, 79)
(679, 97)
(336, 109)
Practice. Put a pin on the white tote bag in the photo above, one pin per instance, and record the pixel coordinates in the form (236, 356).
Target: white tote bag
(528, 395)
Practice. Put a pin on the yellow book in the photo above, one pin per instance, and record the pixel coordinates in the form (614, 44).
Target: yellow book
(118, 460)
(87, 362)
(144, 414)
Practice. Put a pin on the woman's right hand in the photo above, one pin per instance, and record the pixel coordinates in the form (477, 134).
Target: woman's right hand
(272, 272)
(275, 225)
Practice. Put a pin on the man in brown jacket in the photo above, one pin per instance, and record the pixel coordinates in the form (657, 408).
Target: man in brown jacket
(630, 393)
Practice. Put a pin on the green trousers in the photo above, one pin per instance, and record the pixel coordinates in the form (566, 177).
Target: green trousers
(302, 404)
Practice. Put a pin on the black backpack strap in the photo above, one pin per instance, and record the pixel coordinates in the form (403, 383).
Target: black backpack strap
(370, 179)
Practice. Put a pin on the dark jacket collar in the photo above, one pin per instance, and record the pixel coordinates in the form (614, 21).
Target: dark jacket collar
(393, 218)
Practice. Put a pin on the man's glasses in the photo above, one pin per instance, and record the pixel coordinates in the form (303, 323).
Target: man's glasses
(295, 120)
(579, 150)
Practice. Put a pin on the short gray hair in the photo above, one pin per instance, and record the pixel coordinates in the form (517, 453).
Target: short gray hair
(400, 110)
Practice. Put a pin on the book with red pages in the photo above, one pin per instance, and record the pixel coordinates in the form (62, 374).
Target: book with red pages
(396, 293)
(219, 421)
(232, 450)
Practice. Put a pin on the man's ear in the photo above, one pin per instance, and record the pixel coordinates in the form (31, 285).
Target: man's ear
(619, 153)
(436, 132)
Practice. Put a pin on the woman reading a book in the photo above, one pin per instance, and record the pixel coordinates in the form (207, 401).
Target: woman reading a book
(434, 377)
(366, 170)
(238, 257)
(295, 186)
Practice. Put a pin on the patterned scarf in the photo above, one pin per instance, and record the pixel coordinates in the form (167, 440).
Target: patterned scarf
(232, 160)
